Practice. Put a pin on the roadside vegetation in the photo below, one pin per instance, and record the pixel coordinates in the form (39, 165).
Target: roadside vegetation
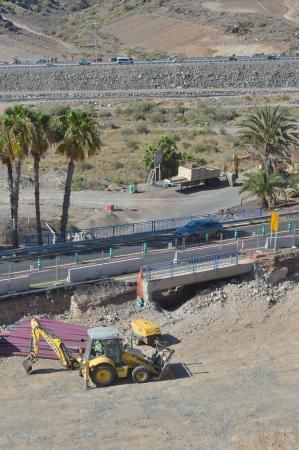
(272, 136)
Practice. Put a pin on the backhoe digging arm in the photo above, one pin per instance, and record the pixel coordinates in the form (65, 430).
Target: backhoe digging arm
(65, 357)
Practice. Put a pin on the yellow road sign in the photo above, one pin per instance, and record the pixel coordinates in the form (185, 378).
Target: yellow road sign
(274, 221)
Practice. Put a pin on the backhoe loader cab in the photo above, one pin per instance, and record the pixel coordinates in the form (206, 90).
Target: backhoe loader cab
(103, 341)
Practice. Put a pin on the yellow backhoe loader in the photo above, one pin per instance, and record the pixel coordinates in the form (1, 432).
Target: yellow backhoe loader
(233, 174)
(105, 358)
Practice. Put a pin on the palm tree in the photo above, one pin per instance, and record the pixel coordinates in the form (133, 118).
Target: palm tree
(6, 158)
(272, 133)
(16, 138)
(264, 185)
(78, 138)
(40, 142)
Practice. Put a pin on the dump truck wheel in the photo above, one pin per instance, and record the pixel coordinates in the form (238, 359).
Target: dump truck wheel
(140, 374)
(103, 375)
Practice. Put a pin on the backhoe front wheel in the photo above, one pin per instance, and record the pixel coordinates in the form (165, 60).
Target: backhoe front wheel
(102, 375)
(140, 374)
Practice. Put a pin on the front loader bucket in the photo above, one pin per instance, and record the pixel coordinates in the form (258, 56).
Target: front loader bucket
(27, 364)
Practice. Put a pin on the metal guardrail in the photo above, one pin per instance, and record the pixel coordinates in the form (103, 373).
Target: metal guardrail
(54, 271)
(138, 227)
(174, 93)
(172, 269)
(142, 242)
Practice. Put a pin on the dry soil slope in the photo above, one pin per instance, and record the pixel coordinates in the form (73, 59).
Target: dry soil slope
(188, 27)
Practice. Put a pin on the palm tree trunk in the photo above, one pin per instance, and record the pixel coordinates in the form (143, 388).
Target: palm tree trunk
(16, 190)
(37, 201)
(66, 198)
(10, 187)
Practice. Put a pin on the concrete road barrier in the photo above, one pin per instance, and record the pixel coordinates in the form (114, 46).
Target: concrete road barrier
(113, 268)
(18, 284)
(84, 273)
(4, 287)
(206, 251)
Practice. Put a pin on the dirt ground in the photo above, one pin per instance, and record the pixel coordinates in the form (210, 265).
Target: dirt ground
(241, 392)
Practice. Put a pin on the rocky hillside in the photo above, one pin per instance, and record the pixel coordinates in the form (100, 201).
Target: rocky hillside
(147, 28)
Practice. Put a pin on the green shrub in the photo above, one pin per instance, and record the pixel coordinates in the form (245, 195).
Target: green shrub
(140, 107)
(85, 165)
(117, 165)
(200, 148)
(132, 145)
(199, 161)
(127, 131)
(103, 114)
(186, 145)
(211, 147)
(142, 129)
(157, 117)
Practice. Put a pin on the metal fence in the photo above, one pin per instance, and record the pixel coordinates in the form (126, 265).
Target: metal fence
(137, 228)
(165, 258)
(149, 251)
(172, 269)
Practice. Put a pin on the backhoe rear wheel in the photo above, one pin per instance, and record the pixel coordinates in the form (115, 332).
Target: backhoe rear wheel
(103, 375)
(140, 374)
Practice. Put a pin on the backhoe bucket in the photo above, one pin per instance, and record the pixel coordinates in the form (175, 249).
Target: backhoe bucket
(27, 364)
(163, 355)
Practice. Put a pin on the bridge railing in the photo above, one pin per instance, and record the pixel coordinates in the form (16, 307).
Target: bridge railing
(171, 269)
(127, 229)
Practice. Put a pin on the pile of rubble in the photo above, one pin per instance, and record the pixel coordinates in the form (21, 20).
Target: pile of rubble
(95, 306)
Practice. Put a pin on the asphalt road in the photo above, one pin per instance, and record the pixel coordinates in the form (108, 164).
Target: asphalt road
(152, 205)
(199, 60)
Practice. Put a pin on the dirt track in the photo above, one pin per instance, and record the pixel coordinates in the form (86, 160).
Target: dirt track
(242, 392)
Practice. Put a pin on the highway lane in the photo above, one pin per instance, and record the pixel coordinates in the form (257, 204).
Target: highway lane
(199, 60)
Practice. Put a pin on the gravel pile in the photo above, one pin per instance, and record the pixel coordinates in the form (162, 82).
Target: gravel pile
(251, 74)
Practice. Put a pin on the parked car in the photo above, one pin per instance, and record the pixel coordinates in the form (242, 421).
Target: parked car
(124, 60)
(41, 61)
(273, 57)
(233, 58)
(113, 59)
(16, 61)
(84, 62)
(199, 228)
